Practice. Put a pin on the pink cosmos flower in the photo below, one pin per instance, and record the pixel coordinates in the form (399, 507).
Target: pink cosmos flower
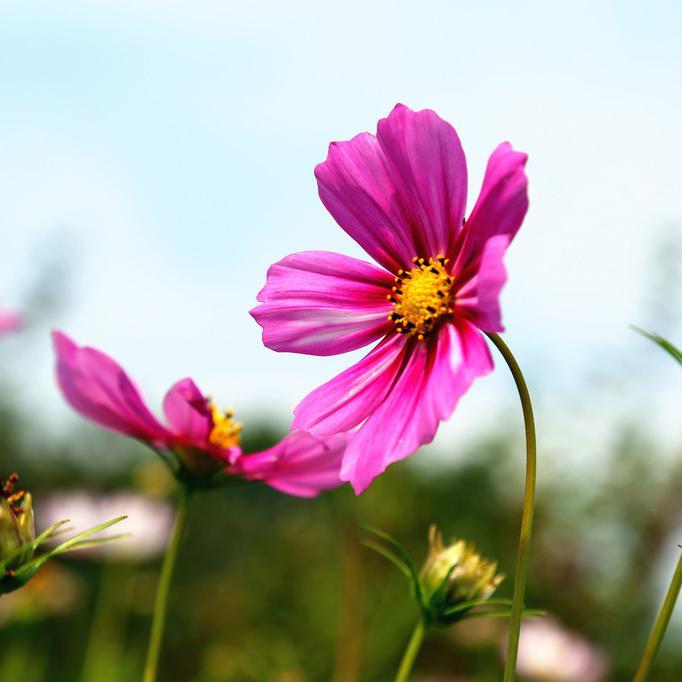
(401, 194)
(204, 439)
(9, 321)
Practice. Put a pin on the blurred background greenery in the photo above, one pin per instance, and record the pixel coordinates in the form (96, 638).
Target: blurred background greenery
(272, 588)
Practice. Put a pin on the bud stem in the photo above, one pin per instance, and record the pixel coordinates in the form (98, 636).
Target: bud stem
(411, 652)
(658, 631)
(161, 604)
(528, 509)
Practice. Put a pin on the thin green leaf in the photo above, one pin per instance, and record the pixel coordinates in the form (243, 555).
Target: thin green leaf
(663, 343)
(396, 546)
(79, 541)
(403, 554)
(387, 554)
(534, 613)
(30, 547)
(86, 544)
(499, 602)
(463, 606)
(49, 533)
(66, 546)
(27, 570)
(527, 613)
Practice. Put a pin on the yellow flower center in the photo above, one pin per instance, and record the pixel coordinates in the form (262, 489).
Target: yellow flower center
(225, 431)
(421, 297)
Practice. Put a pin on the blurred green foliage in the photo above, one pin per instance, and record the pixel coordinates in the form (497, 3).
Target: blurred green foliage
(276, 589)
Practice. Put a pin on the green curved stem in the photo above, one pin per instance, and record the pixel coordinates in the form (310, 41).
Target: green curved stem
(528, 510)
(658, 631)
(163, 589)
(411, 652)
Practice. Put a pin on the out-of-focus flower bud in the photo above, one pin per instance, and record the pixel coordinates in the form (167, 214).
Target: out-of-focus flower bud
(454, 575)
(17, 527)
(19, 561)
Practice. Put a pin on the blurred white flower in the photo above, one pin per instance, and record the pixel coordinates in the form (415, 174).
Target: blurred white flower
(549, 652)
(148, 524)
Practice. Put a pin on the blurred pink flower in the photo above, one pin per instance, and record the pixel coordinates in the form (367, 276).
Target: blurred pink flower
(9, 321)
(148, 524)
(401, 194)
(205, 439)
(550, 653)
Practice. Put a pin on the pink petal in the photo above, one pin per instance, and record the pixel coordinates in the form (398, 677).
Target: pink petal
(348, 399)
(301, 464)
(429, 172)
(9, 321)
(426, 392)
(356, 187)
(322, 303)
(401, 193)
(479, 297)
(97, 387)
(499, 210)
(187, 412)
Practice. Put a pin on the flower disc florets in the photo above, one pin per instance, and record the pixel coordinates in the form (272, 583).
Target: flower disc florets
(225, 432)
(199, 463)
(421, 297)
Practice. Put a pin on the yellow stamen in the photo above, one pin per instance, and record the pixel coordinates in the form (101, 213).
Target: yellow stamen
(225, 431)
(421, 297)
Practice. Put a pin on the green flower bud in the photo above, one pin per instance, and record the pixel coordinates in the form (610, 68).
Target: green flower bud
(18, 542)
(17, 527)
(454, 575)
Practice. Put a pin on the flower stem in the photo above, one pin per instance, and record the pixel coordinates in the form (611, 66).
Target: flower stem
(162, 591)
(411, 652)
(528, 509)
(658, 631)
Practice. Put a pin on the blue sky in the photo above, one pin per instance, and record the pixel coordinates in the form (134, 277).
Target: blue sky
(171, 146)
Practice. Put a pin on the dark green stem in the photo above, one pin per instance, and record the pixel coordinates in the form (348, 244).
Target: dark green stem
(163, 589)
(658, 631)
(411, 652)
(528, 510)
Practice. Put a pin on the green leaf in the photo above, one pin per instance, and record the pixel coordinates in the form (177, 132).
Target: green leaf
(387, 554)
(33, 545)
(663, 343)
(405, 558)
(78, 541)
(527, 613)
(85, 544)
(49, 533)
(463, 606)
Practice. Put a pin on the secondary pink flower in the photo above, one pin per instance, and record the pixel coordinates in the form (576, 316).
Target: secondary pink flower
(204, 439)
(9, 321)
(401, 194)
